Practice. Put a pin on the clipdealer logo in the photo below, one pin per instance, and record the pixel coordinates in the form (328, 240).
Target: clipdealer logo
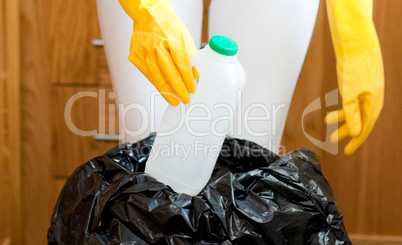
(331, 99)
(147, 120)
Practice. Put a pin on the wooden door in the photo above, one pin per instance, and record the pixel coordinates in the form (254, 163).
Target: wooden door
(10, 140)
(59, 61)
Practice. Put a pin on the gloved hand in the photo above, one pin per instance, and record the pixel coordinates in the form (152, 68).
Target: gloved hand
(359, 69)
(160, 48)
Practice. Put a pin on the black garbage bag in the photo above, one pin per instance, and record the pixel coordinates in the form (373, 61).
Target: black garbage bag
(253, 197)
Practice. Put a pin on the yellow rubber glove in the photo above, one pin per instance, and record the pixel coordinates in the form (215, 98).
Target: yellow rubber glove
(160, 48)
(360, 70)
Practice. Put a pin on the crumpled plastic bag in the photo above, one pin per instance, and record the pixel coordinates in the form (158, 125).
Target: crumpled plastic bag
(253, 197)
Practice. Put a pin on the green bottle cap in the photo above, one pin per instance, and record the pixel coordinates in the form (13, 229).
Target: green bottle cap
(223, 45)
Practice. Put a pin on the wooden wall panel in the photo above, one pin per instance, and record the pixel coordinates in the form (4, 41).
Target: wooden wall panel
(204, 36)
(90, 111)
(57, 185)
(4, 207)
(10, 121)
(72, 26)
(375, 240)
(58, 61)
(36, 130)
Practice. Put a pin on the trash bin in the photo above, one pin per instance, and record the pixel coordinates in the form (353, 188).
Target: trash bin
(253, 197)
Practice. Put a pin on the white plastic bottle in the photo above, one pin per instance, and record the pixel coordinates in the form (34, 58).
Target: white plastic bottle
(190, 137)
